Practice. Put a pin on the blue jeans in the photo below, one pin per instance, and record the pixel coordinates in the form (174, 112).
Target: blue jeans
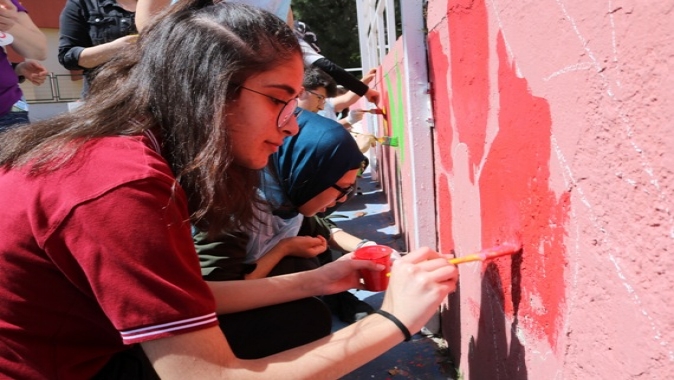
(12, 119)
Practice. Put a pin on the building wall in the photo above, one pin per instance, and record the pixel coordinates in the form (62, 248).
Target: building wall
(553, 129)
(44, 14)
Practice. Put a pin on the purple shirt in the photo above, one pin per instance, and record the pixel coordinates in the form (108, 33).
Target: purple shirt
(10, 91)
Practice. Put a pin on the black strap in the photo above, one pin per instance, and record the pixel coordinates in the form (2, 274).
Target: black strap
(397, 322)
(342, 76)
(360, 243)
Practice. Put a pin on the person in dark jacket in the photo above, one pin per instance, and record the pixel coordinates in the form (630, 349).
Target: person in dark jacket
(94, 31)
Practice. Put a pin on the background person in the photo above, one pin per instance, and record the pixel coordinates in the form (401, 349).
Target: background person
(281, 8)
(91, 32)
(304, 177)
(318, 87)
(31, 70)
(18, 31)
(337, 107)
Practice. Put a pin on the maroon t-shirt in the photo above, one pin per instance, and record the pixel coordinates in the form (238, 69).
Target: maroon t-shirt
(95, 256)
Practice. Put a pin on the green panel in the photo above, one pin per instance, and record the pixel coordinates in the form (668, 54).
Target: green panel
(396, 111)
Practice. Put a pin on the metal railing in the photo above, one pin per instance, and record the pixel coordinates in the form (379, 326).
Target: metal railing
(58, 88)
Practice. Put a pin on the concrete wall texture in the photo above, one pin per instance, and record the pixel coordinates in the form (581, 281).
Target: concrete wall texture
(554, 127)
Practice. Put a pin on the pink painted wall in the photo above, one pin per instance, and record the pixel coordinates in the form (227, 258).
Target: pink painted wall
(554, 126)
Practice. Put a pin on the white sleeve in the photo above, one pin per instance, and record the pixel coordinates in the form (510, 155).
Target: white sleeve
(310, 55)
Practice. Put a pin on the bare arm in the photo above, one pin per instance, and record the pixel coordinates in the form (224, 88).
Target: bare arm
(346, 100)
(419, 282)
(146, 9)
(99, 54)
(29, 41)
(343, 101)
(205, 354)
(344, 241)
(338, 276)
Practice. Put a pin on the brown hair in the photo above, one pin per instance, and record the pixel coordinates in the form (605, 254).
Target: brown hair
(177, 82)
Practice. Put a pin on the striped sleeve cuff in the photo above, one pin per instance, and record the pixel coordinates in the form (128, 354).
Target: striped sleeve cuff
(168, 329)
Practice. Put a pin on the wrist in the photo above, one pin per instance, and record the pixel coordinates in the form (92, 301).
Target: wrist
(403, 329)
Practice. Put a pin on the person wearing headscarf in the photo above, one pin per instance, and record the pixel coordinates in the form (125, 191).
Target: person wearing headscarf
(311, 171)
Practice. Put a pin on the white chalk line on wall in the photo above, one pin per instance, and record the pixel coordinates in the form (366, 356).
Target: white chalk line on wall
(645, 163)
(570, 179)
(624, 118)
(647, 167)
(501, 27)
(582, 66)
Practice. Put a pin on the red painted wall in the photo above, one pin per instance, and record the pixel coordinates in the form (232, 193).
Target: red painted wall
(553, 129)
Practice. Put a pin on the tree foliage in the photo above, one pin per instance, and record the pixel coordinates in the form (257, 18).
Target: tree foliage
(336, 26)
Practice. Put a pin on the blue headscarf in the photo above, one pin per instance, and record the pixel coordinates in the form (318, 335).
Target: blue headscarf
(310, 162)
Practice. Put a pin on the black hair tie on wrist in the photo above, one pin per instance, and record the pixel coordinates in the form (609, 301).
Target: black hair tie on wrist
(397, 322)
(361, 243)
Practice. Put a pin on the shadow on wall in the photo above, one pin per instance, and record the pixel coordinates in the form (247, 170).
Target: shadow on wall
(489, 356)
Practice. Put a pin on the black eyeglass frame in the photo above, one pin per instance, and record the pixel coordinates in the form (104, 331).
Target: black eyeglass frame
(295, 111)
(344, 192)
(321, 98)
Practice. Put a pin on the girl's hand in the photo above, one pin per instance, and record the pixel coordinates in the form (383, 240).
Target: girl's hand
(419, 282)
(341, 275)
(372, 96)
(32, 70)
(305, 246)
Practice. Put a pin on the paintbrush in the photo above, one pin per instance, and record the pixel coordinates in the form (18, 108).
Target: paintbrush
(504, 249)
(383, 140)
(488, 253)
(374, 111)
(386, 140)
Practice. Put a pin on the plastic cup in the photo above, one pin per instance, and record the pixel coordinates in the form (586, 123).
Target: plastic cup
(375, 281)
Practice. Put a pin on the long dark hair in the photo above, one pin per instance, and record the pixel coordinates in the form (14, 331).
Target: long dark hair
(177, 82)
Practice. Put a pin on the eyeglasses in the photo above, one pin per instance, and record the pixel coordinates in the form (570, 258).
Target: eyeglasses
(321, 98)
(344, 192)
(286, 112)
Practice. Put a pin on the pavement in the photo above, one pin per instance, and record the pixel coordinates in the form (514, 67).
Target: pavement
(368, 216)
